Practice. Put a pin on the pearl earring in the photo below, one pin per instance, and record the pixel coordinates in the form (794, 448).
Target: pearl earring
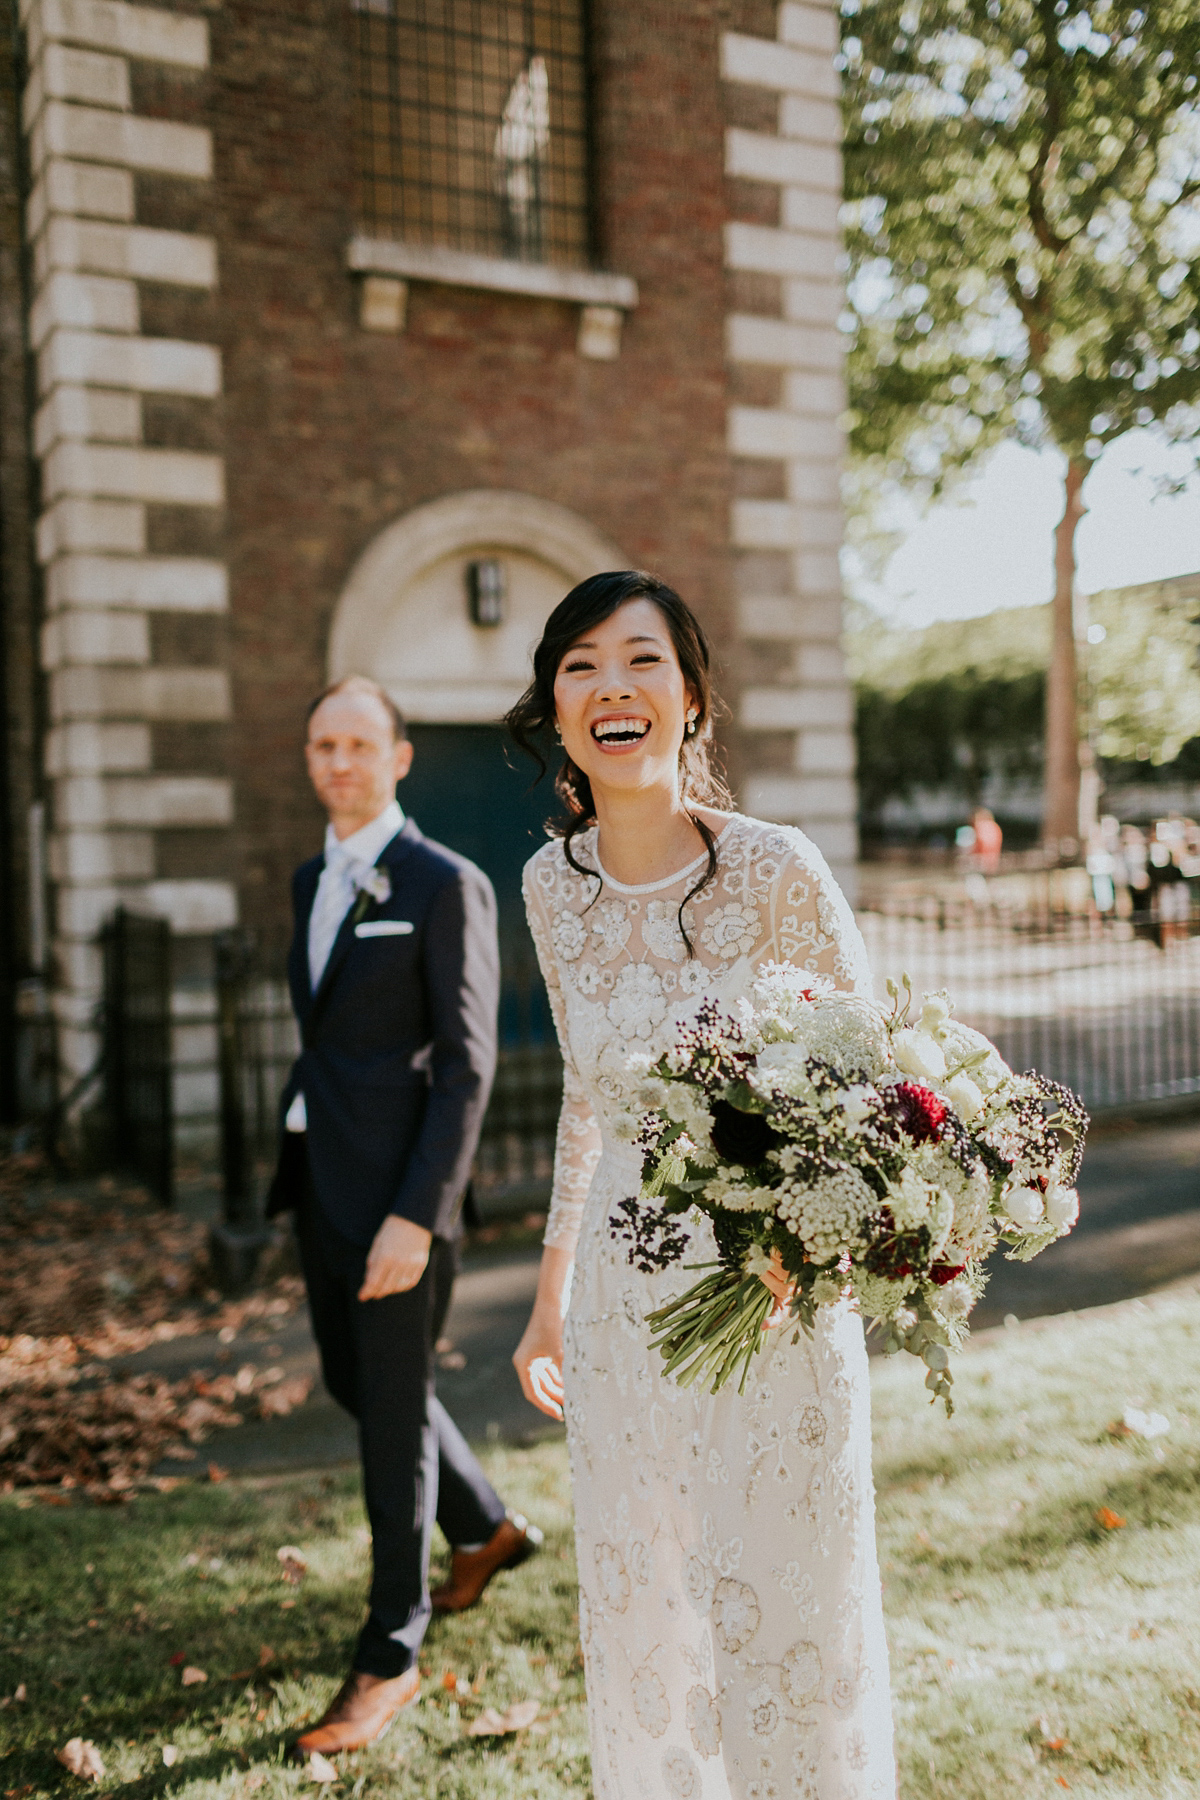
(691, 724)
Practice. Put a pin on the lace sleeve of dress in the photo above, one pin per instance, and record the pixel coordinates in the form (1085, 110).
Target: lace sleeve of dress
(577, 1144)
(812, 925)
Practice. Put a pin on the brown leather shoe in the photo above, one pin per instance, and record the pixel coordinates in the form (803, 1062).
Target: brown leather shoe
(511, 1544)
(361, 1711)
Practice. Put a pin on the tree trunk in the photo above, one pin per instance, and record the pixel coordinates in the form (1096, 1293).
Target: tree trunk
(1060, 819)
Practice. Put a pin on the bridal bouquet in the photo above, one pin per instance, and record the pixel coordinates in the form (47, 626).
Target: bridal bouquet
(863, 1153)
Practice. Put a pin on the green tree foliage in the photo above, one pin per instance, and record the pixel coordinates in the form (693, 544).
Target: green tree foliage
(1144, 675)
(1023, 233)
(1024, 244)
(950, 732)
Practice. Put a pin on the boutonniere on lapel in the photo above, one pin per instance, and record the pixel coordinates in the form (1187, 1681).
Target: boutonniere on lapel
(374, 885)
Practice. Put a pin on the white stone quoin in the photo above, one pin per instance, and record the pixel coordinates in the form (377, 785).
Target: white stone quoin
(98, 478)
(802, 622)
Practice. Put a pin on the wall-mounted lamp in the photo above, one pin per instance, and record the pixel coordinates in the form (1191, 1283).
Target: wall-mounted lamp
(487, 589)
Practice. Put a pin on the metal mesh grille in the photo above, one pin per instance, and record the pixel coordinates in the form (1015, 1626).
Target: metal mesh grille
(472, 130)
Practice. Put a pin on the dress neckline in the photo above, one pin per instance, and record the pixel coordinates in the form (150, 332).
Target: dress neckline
(654, 887)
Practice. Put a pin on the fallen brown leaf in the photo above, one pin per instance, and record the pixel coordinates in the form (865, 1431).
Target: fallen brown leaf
(517, 1717)
(82, 1758)
(1110, 1520)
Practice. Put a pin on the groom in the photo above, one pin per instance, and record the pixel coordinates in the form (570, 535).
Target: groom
(394, 978)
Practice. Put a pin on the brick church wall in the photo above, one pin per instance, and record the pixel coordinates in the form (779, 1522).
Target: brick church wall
(220, 437)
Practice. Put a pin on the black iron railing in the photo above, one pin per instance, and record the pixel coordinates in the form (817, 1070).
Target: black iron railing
(1110, 1006)
(136, 1061)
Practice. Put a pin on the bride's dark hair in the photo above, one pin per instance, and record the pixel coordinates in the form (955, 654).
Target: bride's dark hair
(585, 607)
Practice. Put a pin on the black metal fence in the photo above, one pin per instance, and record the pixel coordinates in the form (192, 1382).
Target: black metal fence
(257, 1043)
(1110, 1006)
(137, 1047)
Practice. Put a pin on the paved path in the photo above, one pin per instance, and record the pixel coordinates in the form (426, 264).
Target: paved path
(1139, 1228)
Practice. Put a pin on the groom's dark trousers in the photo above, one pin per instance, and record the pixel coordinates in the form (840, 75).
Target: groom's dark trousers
(398, 1052)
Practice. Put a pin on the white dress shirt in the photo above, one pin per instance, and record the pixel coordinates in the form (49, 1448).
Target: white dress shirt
(345, 859)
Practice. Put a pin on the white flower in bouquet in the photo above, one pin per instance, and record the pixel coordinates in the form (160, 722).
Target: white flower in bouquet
(684, 1106)
(918, 1053)
(856, 1104)
(1062, 1207)
(828, 1216)
(965, 1097)
(955, 1300)
(782, 1068)
(847, 1032)
(878, 1298)
(963, 1044)
(911, 1201)
(780, 995)
(728, 1189)
(1025, 1206)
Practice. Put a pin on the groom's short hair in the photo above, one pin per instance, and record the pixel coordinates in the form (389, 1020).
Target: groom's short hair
(362, 684)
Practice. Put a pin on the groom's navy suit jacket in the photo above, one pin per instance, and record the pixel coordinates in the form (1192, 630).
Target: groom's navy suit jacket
(398, 1042)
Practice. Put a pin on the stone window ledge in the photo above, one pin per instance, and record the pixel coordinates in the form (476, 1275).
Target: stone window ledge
(388, 265)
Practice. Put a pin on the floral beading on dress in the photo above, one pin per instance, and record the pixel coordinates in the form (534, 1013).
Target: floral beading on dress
(730, 1606)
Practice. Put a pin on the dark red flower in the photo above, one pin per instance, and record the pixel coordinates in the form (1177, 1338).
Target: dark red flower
(741, 1137)
(944, 1273)
(918, 1111)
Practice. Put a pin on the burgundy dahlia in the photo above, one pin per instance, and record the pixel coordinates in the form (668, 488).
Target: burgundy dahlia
(918, 1111)
(944, 1273)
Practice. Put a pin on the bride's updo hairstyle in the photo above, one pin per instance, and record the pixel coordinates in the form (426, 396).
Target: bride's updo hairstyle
(585, 607)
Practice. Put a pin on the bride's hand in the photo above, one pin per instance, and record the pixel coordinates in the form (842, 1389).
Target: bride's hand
(777, 1280)
(538, 1361)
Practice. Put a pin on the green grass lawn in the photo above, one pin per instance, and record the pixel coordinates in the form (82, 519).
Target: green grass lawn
(1032, 1648)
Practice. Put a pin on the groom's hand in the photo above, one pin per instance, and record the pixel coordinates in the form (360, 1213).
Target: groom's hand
(396, 1260)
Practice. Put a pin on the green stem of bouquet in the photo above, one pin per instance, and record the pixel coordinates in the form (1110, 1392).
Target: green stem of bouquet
(713, 1328)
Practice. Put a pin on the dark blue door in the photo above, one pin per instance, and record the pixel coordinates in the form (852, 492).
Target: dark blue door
(471, 791)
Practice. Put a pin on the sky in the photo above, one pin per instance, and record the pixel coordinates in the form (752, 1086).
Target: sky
(990, 546)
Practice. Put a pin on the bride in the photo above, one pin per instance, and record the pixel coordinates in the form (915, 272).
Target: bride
(730, 1604)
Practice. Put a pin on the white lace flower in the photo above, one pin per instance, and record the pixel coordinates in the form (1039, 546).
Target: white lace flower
(845, 1688)
(800, 1673)
(613, 1577)
(693, 977)
(681, 1775)
(703, 1722)
(736, 1614)
(660, 930)
(764, 1716)
(650, 1702)
(698, 1580)
(641, 1563)
(610, 927)
(731, 931)
(807, 1425)
(638, 1005)
(587, 979)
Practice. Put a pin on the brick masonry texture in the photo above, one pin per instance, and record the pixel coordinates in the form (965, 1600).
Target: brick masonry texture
(328, 433)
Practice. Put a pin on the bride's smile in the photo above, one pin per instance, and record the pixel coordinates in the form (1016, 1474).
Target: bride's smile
(620, 699)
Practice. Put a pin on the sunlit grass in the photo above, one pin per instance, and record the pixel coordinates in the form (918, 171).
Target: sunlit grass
(1017, 1621)
(1031, 1647)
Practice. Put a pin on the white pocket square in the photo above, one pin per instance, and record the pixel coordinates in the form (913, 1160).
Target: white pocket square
(384, 928)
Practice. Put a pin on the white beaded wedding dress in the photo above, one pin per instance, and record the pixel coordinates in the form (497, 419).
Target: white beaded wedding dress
(730, 1604)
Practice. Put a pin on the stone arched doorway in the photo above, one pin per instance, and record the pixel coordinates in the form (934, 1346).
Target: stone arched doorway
(404, 617)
